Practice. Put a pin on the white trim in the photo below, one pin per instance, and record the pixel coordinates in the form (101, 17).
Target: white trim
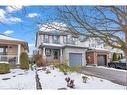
(19, 52)
(43, 52)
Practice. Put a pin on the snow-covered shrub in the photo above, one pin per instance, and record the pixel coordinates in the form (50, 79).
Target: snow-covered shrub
(70, 83)
(24, 62)
(84, 78)
(4, 68)
(44, 68)
(48, 71)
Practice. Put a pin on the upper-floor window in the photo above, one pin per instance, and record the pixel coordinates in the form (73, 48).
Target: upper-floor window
(92, 45)
(65, 39)
(71, 40)
(56, 39)
(46, 39)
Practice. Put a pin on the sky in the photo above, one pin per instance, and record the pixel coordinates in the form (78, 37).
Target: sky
(21, 22)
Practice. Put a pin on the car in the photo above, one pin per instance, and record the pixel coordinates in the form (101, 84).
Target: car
(120, 64)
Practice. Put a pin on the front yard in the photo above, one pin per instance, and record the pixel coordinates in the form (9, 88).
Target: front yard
(18, 79)
(52, 78)
(56, 80)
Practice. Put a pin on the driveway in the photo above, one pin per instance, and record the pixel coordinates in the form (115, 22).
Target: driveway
(114, 75)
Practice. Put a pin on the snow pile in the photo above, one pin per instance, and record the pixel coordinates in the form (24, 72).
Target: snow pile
(18, 79)
(56, 80)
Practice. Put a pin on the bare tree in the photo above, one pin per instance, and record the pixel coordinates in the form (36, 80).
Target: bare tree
(108, 23)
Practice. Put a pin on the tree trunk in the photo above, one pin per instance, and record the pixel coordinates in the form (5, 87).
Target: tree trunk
(125, 52)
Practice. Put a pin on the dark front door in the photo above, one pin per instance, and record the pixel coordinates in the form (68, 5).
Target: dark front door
(56, 54)
(101, 60)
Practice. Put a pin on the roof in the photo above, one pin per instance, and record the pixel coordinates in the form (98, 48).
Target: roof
(5, 37)
(52, 33)
(62, 46)
(57, 33)
(100, 50)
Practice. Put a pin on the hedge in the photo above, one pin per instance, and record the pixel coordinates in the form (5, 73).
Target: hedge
(4, 68)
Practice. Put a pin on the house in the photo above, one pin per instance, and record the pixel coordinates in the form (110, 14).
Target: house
(11, 48)
(59, 45)
(98, 52)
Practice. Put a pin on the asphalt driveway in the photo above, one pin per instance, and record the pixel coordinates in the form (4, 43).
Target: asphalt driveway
(116, 76)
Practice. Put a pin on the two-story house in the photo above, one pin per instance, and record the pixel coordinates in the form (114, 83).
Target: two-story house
(59, 45)
(98, 52)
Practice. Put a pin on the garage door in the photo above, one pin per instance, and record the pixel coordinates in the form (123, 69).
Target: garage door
(75, 59)
(101, 60)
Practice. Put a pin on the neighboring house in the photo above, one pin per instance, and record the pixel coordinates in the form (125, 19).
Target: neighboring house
(98, 53)
(11, 48)
(57, 45)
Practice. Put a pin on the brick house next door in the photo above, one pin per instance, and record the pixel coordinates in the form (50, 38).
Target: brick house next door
(98, 57)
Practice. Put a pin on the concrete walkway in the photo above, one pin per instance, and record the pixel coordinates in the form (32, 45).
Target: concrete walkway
(116, 76)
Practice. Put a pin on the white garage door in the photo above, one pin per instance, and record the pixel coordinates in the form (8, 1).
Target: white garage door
(75, 59)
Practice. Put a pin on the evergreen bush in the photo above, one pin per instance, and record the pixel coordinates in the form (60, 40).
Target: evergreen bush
(24, 62)
(114, 57)
(4, 68)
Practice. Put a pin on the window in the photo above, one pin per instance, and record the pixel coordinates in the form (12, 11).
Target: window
(2, 50)
(73, 40)
(48, 52)
(92, 45)
(56, 39)
(65, 39)
(46, 39)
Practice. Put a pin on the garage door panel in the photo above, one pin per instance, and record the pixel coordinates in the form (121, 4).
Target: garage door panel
(75, 59)
(101, 60)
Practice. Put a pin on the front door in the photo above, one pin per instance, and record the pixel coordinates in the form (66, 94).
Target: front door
(56, 54)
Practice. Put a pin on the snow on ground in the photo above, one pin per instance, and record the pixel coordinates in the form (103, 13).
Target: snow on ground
(108, 68)
(19, 79)
(56, 79)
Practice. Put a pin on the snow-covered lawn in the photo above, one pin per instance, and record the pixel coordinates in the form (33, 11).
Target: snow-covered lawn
(19, 79)
(56, 79)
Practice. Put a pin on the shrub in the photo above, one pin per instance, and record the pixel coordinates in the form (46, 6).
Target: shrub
(75, 68)
(119, 57)
(66, 68)
(63, 67)
(24, 62)
(39, 60)
(55, 62)
(4, 68)
(122, 56)
(114, 57)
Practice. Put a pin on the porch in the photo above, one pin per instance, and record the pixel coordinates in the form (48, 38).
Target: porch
(52, 53)
(10, 53)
